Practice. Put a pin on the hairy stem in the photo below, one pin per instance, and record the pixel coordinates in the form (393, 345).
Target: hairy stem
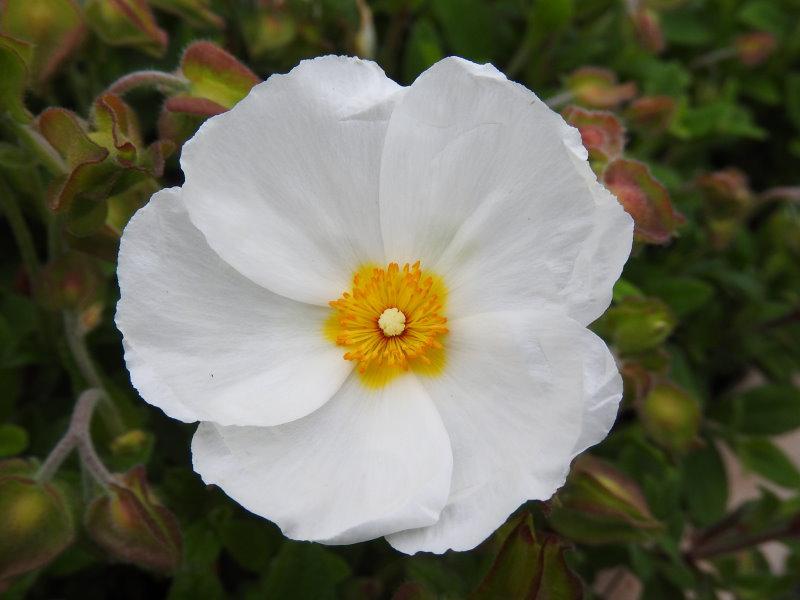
(154, 79)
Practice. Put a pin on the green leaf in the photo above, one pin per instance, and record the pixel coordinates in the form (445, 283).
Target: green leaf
(304, 571)
(12, 83)
(13, 440)
(250, 541)
(766, 459)
(464, 25)
(705, 484)
(423, 49)
(684, 295)
(768, 410)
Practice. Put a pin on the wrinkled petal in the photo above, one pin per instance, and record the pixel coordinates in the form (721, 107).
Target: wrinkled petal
(512, 399)
(284, 186)
(478, 180)
(202, 342)
(368, 463)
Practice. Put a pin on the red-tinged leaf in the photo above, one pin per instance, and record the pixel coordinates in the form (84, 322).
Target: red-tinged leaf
(558, 580)
(116, 125)
(54, 27)
(726, 192)
(652, 113)
(216, 75)
(12, 82)
(126, 23)
(201, 107)
(645, 199)
(63, 130)
(648, 30)
(598, 88)
(91, 180)
(601, 132)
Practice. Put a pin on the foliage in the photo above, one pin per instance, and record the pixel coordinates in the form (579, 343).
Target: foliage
(691, 112)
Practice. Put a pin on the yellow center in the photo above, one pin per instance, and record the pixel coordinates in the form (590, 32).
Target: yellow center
(390, 321)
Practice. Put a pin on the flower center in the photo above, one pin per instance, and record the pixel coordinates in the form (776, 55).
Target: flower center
(391, 319)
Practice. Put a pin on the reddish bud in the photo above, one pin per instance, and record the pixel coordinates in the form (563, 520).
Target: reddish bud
(126, 23)
(601, 133)
(652, 113)
(598, 88)
(36, 522)
(72, 281)
(727, 192)
(600, 504)
(645, 199)
(648, 30)
(756, 47)
(133, 526)
(671, 417)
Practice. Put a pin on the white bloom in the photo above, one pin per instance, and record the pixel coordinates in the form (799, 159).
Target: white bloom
(468, 383)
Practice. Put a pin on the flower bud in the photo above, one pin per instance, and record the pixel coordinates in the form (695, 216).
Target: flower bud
(671, 417)
(131, 525)
(598, 88)
(653, 114)
(600, 504)
(638, 324)
(36, 522)
(269, 30)
(126, 23)
(601, 133)
(756, 47)
(727, 193)
(648, 30)
(72, 281)
(645, 199)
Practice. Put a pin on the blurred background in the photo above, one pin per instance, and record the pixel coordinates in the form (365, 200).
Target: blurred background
(690, 110)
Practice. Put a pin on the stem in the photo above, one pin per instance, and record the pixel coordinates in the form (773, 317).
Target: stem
(559, 99)
(78, 435)
(40, 147)
(19, 228)
(160, 80)
(80, 352)
(713, 57)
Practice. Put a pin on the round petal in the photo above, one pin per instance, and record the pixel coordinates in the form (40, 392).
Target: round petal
(513, 398)
(202, 342)
(478, 180)
(368, 463)
(284, 186)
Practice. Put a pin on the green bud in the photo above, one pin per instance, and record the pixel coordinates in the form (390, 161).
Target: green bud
(636, 325)
(671, 417)
(36, 522)
(755, 48)
(599, 504)
(645, 199)
(528, 567)
(131, 524)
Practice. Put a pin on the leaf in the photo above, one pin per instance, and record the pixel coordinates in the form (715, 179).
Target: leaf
(250, 541)
(424, 48)
(13, 440)
(463, 23)
(765, 458)
(216, 75)
(12, 83)
(768, 410)
(705, 484)
(684, 295)
(304, 571)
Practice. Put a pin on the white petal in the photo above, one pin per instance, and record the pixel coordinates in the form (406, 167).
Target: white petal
(368, 463)
(513, 401)
(202, 342)
(479, 181)
(285, 185)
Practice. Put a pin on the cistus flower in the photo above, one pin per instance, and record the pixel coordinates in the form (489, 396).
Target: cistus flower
(374, 298)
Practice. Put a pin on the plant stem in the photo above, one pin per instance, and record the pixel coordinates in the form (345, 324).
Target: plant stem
(19, 228)
(150, 78)
(78, 435)
(80, 352)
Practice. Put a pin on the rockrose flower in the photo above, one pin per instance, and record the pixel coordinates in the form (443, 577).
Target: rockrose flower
(374, 299)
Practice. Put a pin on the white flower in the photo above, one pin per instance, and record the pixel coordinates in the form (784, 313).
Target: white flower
(468, 382)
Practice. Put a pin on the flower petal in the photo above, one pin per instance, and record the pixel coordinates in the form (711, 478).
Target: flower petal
(478, 180)
(368, 463)
(202, 342)
(515, 431)
(284, 186)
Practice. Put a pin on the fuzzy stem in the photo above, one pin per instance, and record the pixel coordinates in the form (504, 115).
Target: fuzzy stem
(80, 352)
(78, 436)
(160, 80)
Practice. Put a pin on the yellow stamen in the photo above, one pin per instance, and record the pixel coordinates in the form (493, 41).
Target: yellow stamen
(390, 320)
